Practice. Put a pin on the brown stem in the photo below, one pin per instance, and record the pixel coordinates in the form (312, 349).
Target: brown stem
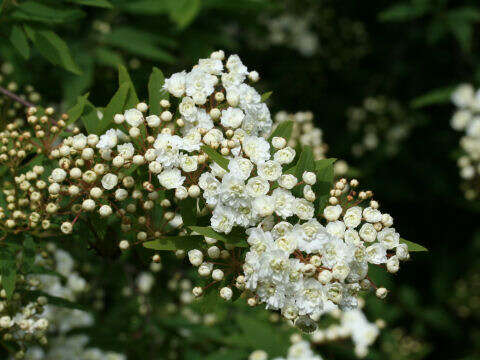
(16, 97)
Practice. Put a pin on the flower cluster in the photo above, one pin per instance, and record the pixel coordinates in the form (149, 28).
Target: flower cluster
(379, 122)
(467, 119)
(299, 350)
(307, 268)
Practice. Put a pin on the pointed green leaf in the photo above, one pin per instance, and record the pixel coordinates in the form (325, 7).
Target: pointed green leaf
(90, 118)
(413, 246)
(215, 156)
(237, 239)
(172, 243)
(183, 12)
(76, 111)
(53, 48)
(37, 11)
(434, 97)
(8, 272)
(19, 41)
(124, 77)
(306, 162)
(156, 91)
(266, 96)
(284, 130)
(115, 106)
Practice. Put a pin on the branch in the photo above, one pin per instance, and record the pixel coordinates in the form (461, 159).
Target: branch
(16, 97)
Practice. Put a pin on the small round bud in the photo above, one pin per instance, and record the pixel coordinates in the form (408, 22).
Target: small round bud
(124, 245)
(226, 293)
(118, 119)
(217, 274)
(197, 291)
(309, 178)
(66, 227)
(279, 142)
(166, 116)
(164, 103)
(194, 191)
(381, 293)
(142, 107)
(134, 132)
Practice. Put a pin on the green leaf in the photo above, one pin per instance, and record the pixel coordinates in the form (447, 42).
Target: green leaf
(76, 111)
(324, 171)
(234, 238)
(284, 129)
(108, 57)
(115, 106)
(96, 3)
(54, 300)
(124, 77)
(183, 12)
(413, 246)
(266, 96)
(29, 247)
(8, 272)
(402, 12)
(172, 243)
(215, 156)
(90, 118)
(19, 41)
(40, 12)
(139, 43)
(306, 162)
(156, 91)
(188, 210)
(146, 7)
(53, 48)
(434, 97)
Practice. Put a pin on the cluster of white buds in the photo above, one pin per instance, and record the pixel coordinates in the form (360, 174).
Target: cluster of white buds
(467, 119)
(379, 122)
(304, 132)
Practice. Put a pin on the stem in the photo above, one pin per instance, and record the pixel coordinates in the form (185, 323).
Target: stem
(16, 97)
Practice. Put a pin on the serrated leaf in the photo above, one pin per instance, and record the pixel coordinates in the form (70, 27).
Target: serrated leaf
(413, 247)
(76, 111)
(266, 96)
(156, 91)
(173, 243)
(19, 41)
(96, 3)
(53, 48)
(215, 156)
(284, 130)
(434, 97)
(234, 238)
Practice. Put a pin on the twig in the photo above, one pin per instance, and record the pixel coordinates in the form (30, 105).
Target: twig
(16, 97)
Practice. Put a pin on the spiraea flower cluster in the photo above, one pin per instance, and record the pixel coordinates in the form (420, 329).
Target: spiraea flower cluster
(467, 120)
(379, 123)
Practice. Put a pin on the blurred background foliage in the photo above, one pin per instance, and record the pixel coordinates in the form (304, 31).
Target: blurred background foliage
(320, 55)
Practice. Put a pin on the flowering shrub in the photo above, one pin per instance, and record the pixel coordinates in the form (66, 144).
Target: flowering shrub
(202, 172)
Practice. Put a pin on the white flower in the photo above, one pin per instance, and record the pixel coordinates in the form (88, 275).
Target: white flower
(188, 109)
(303, 209)
(463, 96)
(175, 84)
(351, 237)
(133, 117)
(257, 149)
(257, 186)
(368, 233)
(79, 141)
(126, 150)
(211, 66)
(232, 118)
(336, 228)
(171, 178)
(372, 215)
(264, 205)
(222, 219)
(285, 155)
(284, 202)
(376, 254)
(287, 181)
(241, 167)
(189, 163)
(58, 175)
(199, 85)
(332, 213)
(145, 282)
(195, 257)
(109, 181)
(353, 217)
(389, 238)
(153, 121)
(235, 65)
(270, 170)
(108, 140)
